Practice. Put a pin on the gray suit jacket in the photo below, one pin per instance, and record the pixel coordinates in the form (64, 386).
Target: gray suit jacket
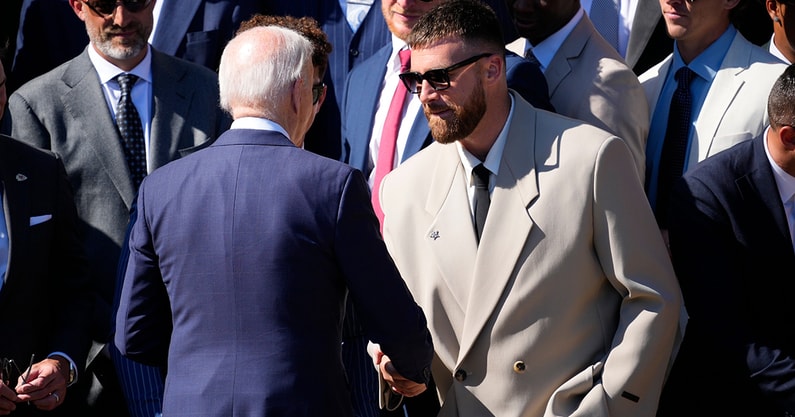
(64, 111)
(735, 108)
(589, 81)
(569, 305)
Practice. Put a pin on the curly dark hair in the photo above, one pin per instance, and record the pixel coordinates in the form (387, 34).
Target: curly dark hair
(306, 26)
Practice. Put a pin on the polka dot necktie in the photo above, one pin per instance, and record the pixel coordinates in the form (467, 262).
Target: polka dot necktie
(129, 123)
(672, 159)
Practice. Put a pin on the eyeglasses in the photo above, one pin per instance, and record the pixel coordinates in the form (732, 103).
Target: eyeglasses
(106, 8)
(317, 90)
(8, 366)
(439, 79)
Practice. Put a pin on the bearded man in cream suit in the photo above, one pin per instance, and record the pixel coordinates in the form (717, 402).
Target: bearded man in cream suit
(563, 300)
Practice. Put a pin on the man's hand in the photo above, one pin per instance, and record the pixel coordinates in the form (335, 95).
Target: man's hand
(399, 384)
(46, 383)
(8, 398)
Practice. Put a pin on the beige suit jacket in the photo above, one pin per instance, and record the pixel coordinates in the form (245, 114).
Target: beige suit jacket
(735, 108)
(588, 80)
(569, 306)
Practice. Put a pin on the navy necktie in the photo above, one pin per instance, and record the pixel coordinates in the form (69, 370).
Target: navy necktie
(482, 198)
(129, 123)
(672, 159)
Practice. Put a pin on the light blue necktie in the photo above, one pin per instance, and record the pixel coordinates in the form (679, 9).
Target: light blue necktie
(604, 14)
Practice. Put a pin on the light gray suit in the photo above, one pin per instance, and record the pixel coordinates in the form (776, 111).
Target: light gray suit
(589, 81)
(64, 111)
(735, 108)
(569, 305)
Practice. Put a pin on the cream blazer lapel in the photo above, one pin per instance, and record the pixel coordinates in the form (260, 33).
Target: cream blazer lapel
(451, 230)
(507, 226)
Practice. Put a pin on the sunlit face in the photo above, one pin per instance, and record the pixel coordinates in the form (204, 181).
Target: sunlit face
(307, 110)
(699, 20)
(402, 15)
(120, 38)
(536, 20)
(453, 113)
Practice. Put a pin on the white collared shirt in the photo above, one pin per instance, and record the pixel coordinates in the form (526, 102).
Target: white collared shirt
(390, 84)
(492, 162)
(776, 52)
(258, 123)
(141, 91)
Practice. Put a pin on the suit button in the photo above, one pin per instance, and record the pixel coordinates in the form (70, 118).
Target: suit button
(354, 52)
(519, 367)
(460, 375)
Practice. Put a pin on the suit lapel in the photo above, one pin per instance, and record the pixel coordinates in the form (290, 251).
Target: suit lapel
(16, 207)
(363, 100)
(729, 79)
(170, 96)
(451, 230)
(570, 50)
(82, 103)
(507, 226)
(652, 82)
(175, 18)
(758, 186)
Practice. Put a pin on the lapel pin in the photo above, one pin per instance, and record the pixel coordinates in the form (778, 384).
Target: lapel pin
(434, 235)
(21, 177)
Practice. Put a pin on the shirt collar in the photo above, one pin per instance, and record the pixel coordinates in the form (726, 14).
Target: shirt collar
(546, 49)
(108, 71)
(393, 65)
(258, 123)
(494, 156)
(708, 62)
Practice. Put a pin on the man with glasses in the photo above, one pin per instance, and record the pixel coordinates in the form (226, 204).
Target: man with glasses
(378, 135)
(114, 113)
(532, 251)
(249, 318)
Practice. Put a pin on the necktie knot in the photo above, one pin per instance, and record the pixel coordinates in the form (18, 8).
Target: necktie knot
(683, 76)
(481, 176)
(405, 60)
(126, 81)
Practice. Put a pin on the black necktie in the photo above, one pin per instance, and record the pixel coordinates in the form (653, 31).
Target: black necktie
(482, 199)
(129, 123)
(672, 159)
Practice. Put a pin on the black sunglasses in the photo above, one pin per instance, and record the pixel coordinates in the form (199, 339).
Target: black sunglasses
(439, 79)
(317, 90)
(106, 8)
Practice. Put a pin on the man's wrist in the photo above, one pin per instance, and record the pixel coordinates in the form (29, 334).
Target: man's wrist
(67, 367)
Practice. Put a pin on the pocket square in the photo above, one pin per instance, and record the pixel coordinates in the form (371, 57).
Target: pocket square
(40, 219)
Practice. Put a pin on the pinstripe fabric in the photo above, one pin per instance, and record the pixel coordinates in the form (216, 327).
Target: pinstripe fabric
(142, 385)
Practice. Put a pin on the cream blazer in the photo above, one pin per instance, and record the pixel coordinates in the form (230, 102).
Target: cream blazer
(569, 306)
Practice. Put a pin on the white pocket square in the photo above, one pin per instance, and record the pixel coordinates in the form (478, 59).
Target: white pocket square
(40, 219)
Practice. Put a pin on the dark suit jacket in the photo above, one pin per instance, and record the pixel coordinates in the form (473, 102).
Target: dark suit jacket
(45, 300)
(733, 256)
(65, 111)
(198, 30)
(254, 281)
(364, 87)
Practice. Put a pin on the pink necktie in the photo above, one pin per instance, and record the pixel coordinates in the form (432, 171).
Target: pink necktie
(386, 150)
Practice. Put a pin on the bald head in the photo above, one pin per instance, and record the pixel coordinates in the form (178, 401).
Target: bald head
(258, 70)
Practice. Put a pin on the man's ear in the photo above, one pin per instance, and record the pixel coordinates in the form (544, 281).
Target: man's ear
(295, 94)
(495, 67)
(787, 135)
(79, 8)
